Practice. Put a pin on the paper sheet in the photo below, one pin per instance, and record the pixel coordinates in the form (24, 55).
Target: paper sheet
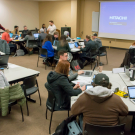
(13, 66)
(118, 70)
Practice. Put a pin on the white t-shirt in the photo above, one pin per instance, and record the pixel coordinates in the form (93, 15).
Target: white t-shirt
(132, 46)
(52, 29)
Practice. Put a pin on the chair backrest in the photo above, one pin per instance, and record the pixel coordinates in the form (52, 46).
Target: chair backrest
(93, 51)
(104, 130)
(30, 82)
(132, 55)
(51, 97)
(43, 51)
(102, 49)
(31, 43)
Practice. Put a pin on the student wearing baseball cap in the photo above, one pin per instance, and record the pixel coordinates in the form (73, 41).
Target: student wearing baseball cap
(97, 40)
(99, 105)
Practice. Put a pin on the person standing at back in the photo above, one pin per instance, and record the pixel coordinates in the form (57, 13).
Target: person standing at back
(16, 30)
(51, 28)
(63, 44)
(43, 28)
(97, 40)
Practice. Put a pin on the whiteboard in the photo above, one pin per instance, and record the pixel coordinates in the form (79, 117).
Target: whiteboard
(95, 21)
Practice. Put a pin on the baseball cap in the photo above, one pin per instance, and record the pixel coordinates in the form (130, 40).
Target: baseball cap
(94, 34)
(101, 79)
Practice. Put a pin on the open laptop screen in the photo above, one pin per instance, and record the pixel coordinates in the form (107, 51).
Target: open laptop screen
(71, 45)
(76, 44)
(36, 35)
(131, 92)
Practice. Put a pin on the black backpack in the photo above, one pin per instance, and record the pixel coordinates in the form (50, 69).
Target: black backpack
(62, 129)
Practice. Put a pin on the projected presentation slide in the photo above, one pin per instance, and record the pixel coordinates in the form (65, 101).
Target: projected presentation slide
(117, 20)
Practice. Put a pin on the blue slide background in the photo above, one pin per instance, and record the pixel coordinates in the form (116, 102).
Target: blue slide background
(117, 9)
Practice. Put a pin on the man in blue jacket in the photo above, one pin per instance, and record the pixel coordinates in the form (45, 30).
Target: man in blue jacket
(86, 49)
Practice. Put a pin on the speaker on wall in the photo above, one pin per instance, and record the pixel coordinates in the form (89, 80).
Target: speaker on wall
(66, 29)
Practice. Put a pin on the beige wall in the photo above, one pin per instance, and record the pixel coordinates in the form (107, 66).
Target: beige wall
(19, 13)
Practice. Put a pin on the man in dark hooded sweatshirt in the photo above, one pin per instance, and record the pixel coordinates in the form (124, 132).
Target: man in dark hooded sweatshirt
(99, 105)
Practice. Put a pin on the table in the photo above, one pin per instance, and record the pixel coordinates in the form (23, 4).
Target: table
(72, 50)
(17, 73)
(118, 80)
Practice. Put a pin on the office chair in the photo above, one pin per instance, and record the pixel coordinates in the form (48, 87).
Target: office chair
(29, 88)
(51, 99)
(103, 130)
(43, 51)
(92, 56)
(32, 44)
(102, 52)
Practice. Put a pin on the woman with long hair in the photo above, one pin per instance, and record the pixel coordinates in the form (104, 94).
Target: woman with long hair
(63, 44)
(47, 44)
(59, 84)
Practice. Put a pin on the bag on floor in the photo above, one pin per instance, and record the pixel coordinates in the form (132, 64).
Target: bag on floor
(74, 128)
(80, 64)
(75, 65)
(20, 52)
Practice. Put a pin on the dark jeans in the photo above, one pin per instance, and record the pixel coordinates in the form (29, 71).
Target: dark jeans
(12, 47)
(81, 56)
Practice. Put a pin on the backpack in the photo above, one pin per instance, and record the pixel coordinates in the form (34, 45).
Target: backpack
(20, 52)
(75, 65)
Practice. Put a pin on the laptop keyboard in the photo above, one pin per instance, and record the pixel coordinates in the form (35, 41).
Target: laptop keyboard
(88, 73)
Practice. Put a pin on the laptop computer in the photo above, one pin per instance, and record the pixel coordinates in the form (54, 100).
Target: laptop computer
(88, 73)
(55, 43)
(131, 93)
(76, 44)
(71, 45)
(36, 35)
(4, 61)
(11, 35)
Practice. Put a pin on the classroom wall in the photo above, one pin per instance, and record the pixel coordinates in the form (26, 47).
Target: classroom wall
(19, 13)
(88, 6)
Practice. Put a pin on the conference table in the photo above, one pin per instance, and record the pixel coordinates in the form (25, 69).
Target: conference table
(120, 80)
(16, 73)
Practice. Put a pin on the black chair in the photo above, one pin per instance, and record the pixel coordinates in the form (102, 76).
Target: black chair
(92, 56)
(132, 55)
(56, 57)
(102, 52)
(104, 130)
(12, 104)
(51, 99)
(29, 88)
(32, 44)
(43, 52)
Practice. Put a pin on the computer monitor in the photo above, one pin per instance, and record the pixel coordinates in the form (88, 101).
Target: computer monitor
(71, 45)
(11, 35)
(36, 35)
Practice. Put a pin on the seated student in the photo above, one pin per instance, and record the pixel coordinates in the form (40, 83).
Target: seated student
(66, 33)
(63, 56)
(16, 30)
(86, 49)
(55, 37)
(43, 28)
(6, 36)
(41, 36)
(28, 37)
(97, 40)
(99, 105)
(25, 31)
(63, 44)
(126, 60)
(59, 84)
(47, 44)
